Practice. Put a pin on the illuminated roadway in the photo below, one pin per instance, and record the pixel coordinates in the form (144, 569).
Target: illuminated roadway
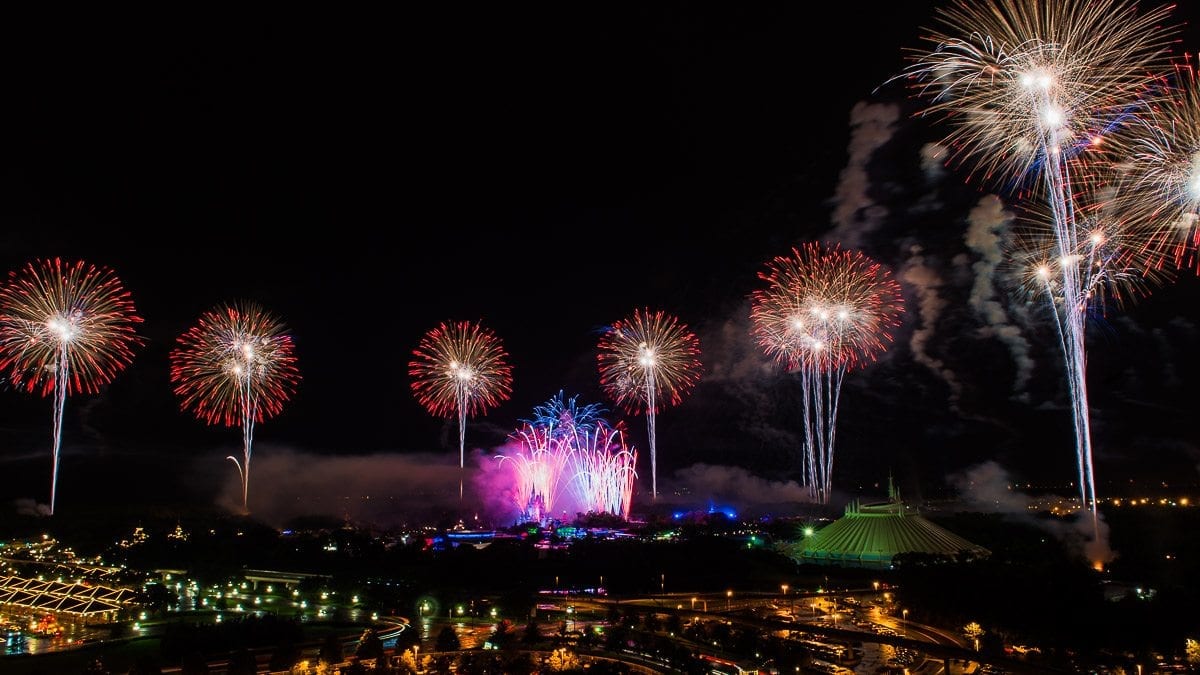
(926, 640)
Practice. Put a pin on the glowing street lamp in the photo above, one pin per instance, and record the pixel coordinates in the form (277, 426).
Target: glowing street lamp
(728, 595)
(904, 621)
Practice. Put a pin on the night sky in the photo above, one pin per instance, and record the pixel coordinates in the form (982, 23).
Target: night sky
(545, 169)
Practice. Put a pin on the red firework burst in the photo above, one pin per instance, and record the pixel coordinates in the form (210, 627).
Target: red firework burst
(237, 361)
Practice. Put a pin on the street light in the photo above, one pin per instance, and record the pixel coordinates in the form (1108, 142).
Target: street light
(904, 621)
(693, 602)
(728, 595)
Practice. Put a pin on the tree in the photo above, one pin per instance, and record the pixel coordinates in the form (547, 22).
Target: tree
(674, 623)
(533, 632)
(331, 649)
(561, 659)
(369, 645)
(504, 635)
(408, 661)
(447, 640)
(408, 638)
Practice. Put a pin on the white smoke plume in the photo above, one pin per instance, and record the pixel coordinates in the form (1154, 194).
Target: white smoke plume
(855, 214)
(925, 281)
(933, 160)
(986, 226)
(30, 507)
(732, 484)
(988, 487)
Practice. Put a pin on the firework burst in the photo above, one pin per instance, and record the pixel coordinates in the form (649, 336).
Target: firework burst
(235, 366)
(1160, 172)
(65, 328)
(570, 454)
(1028, 86)
(1112, 258)
(460, 368)
(822, 312)
(1026, 82)
(649, 360)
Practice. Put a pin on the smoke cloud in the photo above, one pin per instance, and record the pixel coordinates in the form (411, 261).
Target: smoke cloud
(855, 214)
(730, 485)
(925, 281)
(30, 507)
(380, 489)
(933, 161)
(988, 487)
(987, 223)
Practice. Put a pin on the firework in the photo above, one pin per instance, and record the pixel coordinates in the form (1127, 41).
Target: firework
(1029, 87)
(1026, 82)
(603, 471)
(1112, 257)
(566, 417)
(235, 366)
(460, 368)
(647, 361)
(822, 312)
(570, 453)
(1160, 172)
(65, 328)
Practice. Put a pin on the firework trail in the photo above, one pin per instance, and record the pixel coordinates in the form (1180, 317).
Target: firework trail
(539, 465)
(570, 450)
(460, 368)
(603, 471)
(65, 328)
(1032, 88)
(235, 366)
(647, 361)
(824, 311)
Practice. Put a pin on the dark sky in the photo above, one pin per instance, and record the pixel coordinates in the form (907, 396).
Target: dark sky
(545, 168)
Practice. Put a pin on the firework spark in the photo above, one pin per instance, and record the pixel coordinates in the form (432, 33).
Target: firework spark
(1160, 172)
(824, 311)
(65, 328)
(571, 450)
(460, 368)
(647, 361)
(1029, 87)
(235, 366)
(1026, 82)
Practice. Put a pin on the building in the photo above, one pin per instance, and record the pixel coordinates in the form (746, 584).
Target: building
(872, 535)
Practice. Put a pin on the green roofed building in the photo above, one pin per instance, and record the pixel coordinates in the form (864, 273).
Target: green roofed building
(872, 535)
